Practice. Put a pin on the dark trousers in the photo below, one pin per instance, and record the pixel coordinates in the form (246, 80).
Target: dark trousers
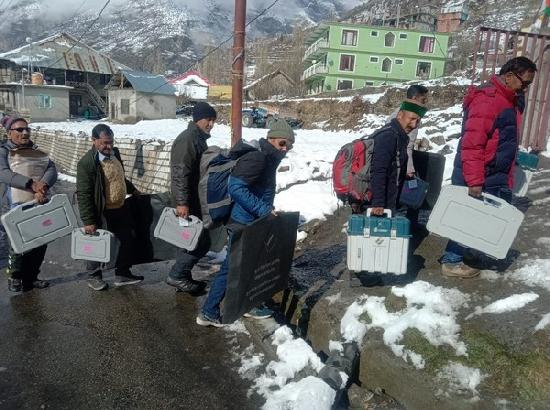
(26, 266)
(185, 260)
(122, 224)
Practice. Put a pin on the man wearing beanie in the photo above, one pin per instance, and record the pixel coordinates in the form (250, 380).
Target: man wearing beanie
(252, 188)
(389, 157)
(185, 159)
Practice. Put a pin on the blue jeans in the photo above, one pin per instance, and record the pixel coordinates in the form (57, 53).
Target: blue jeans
(211, 307)
(454, 252)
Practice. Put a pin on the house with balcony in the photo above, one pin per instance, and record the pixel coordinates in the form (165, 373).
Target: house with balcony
(343, 56)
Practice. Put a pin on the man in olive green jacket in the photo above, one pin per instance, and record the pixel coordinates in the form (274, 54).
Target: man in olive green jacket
(185, 158)
(101, 188)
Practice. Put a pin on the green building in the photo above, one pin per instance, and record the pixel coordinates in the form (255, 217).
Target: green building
(343, 56)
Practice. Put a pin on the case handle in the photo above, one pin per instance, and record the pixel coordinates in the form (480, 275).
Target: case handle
(387, 212)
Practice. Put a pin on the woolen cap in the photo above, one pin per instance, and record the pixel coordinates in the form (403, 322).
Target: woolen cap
(414, 106)
(203, 110)
(8, 121)
(279, 128)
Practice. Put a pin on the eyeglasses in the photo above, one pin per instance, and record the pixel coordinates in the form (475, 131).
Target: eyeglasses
(524, 84)
(284, 143)
(21, 129)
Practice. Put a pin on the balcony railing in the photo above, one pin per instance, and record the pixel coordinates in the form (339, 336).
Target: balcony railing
(319, 68)
(312, 49)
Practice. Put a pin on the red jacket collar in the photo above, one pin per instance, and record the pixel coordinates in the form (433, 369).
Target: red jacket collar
(510, 95)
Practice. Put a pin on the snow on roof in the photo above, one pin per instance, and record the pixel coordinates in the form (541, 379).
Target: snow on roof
(188, 77)
(149, 83)
(53, 52)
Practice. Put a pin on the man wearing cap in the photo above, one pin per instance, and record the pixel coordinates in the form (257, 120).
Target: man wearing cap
(26, 174)
(252, 188)
(185, 159)
(389, 157)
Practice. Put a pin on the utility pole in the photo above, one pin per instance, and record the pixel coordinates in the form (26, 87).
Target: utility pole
(237, 71)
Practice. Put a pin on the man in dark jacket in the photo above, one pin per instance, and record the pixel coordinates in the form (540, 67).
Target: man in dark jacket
(252, 187)
(26, 174)
(489, 144)
(101, 188)
(389, 157)
(185, 159)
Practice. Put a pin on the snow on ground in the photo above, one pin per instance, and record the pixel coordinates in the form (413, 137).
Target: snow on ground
(461, 378)
(534, 273)
(315, 200)
(545, 321)
(432, 310)
(508, 304)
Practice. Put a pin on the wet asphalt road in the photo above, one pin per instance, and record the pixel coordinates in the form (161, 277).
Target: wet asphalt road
(131, 347)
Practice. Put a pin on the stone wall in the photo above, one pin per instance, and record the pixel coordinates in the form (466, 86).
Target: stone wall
(147, 163)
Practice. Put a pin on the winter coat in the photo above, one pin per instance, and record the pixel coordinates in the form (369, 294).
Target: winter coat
(252, 182)
(10, 179)
(412, 139)
(90, 185)
(390, 146)
(489, 143)
(185, 159)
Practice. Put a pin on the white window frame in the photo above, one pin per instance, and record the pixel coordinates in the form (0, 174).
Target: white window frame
(382, 66)
(343, 79)
(42, 98)
(420, 40)
(394, 39)
(374, 62)
(340, 62)
(426, 62)
(403, 34)
(356, 37)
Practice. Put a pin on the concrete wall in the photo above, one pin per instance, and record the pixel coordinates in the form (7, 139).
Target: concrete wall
(59, 102)
(115, 97)
(147, 163)
(156, 106)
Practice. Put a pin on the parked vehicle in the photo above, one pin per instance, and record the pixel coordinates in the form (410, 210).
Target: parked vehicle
(257, 117)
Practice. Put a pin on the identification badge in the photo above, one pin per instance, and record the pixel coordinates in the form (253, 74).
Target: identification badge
(413, 184)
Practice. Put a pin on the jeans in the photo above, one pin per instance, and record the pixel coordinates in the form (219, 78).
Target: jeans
(454, 252)
(185, 260)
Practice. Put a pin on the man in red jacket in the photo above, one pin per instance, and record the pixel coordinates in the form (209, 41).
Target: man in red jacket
(488, 147)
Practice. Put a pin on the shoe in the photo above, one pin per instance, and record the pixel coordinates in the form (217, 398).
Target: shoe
(204, 320)
(260, 312)
(458, 270)
(128, 278)
(40, 284)
(186, 285)
(15, 285)
(97, 283)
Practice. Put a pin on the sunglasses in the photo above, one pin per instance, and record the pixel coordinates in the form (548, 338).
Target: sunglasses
(284, 143)
(21, 129)
(524, 84)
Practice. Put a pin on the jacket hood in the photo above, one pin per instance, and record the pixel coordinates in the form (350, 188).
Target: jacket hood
(242, 147)
(494, 85)
(270, 151)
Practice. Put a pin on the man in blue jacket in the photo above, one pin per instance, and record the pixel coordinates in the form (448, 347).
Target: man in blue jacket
(252, 188)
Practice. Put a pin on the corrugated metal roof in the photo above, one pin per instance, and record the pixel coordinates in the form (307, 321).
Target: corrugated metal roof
(53, 52)
(149, 83)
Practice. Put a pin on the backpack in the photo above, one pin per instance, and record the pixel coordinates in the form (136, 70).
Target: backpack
(351, 169)
(215, 168)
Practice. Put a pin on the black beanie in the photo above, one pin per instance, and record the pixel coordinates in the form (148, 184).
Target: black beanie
(203, 110)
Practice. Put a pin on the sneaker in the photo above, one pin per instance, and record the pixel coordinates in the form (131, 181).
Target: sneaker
(40, 284)
(128, 278)
(458, 270)
(204, 320)
(260, 312)
(15, 285)
(97, 283)
(186, 285)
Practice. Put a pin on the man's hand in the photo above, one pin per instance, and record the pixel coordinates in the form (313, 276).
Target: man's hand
(89, 229)
(182, 211)
(475, 191)
(39, 186)
(378, 211)
(40, 197)
(411, 175)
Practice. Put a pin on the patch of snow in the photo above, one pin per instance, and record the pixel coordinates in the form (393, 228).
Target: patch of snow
(333, 298)
(250, 363)
(306, 394)
(544, 241)
(545, 321)
(508, 304)
(301, 235)
(314, 200)
(68, 178)
(461, 378)
(535, 274)
(489, 275)
(334, 346)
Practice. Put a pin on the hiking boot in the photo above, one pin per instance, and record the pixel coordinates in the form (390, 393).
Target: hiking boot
(458, 270)
(204, 320)
(128, 278)
(260, 312)
(40, 284)
(97, 283)
(15, 285)
(186, 285)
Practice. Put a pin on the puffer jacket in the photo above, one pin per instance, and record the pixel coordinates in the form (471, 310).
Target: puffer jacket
(489, 143)
(252, 182)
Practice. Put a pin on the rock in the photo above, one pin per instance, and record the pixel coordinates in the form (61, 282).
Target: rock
(283, 168)
(438, 140)
(445, 150)
(358, 397)
(422, 145)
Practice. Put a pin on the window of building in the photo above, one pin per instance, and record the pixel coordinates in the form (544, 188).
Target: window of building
(423, 70)
(374, 59)
(4, 70)
(45, 101)
(426, 44)
(125, 106)
(369, 83)
(389, 40)
(345, 84)
(374, 33)
(386, 65)
(349, 37)
(402, 36)
(347, 62)
(398, 61)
